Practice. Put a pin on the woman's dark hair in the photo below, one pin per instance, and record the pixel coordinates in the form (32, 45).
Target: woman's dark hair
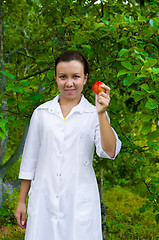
(70, 55)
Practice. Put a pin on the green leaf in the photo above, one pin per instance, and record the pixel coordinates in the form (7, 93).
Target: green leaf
(157, 218)
(122, 51)
(151, 104)
(118, 17)
(8, 74)
(153, 22)
(2, 134)
(146, 128)
(153, 135)
(141, 75)
(50, 74)
(3, 121)
(152, 146)
(151, 197)
(121, 59)
(36, 96)
(138, 98)
(18, 89)
(146, 118)
(23, 105)
(155, 70)
(105, 21)
(155, 181)
(139, 57)
(122, 39)
(88, 48)
(149, 64)
(3, 125)
(127, 65)
(131, 19)
(11, 101)
(145, 86)
(122, 72)
(9, 87)
(24, 83)
(129, 80)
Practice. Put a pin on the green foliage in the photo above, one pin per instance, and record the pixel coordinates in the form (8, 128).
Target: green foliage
(8, 208)
(124, 220)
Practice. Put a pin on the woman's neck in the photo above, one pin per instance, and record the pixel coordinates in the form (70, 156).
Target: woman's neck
(67, 105)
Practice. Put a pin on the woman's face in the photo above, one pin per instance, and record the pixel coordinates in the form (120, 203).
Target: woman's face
(70, 79)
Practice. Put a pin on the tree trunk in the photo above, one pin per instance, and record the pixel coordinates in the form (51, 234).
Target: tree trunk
(103, 207)
(3, 142)
(16, 155)
(142, 3)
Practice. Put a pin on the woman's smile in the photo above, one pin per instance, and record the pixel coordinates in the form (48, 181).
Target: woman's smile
(70, 91)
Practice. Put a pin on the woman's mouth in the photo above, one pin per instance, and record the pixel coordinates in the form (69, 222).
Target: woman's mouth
(70, 91)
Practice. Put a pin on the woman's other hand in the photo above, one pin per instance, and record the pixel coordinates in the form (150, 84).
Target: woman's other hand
(20, 214)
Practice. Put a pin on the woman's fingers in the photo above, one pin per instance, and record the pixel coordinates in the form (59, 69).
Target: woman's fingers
(103, 100)
(20, 215)
(107, 89)
(23, 220)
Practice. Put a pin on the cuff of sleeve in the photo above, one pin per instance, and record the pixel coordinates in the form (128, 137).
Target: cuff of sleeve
(103, 154)
(26, 175)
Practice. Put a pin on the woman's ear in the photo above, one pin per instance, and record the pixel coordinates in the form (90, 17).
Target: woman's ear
(85, 78)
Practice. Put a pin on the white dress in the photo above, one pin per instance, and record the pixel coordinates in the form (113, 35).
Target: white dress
(63, 199)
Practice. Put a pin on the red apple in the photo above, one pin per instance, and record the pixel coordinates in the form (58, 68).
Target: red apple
(97, 87)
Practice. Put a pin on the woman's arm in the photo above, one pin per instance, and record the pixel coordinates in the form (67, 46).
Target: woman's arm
(108, 139)
(20, 212)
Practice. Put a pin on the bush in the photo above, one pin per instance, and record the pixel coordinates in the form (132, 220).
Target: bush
(8, 208)
(124, 220)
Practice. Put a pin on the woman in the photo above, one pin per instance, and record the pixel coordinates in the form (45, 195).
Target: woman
(57, 159)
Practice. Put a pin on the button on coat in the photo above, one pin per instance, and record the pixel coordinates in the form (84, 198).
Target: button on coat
(63, 199)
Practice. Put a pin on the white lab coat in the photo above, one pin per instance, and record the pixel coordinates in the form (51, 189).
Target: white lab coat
(63, 199)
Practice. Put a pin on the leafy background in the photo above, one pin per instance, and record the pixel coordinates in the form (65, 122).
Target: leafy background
(120, 40)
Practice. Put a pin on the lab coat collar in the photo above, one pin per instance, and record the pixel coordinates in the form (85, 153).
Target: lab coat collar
(53, 106)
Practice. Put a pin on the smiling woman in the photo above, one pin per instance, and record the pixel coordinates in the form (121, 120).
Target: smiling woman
(57, 159)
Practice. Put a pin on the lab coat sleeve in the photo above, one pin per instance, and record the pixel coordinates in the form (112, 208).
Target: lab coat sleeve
(100, 152)
(31, 149)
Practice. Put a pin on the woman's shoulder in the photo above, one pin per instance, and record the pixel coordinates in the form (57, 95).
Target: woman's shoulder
(87, 106)
(48, 104)
(44, 105)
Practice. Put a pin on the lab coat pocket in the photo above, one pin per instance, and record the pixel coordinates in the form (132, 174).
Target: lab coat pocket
(84, 203)
(86, 146)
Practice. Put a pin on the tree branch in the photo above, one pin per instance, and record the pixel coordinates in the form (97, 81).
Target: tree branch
(84, 9)
(102, 9)
(36, 73)
(26, 55)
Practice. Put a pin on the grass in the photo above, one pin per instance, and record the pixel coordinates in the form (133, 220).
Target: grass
(124, 220)
(11, 232)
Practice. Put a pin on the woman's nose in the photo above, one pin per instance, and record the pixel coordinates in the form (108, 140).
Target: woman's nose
(69, 82)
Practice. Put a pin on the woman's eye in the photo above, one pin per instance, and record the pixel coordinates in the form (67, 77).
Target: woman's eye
(76, 76)
(62, 77)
